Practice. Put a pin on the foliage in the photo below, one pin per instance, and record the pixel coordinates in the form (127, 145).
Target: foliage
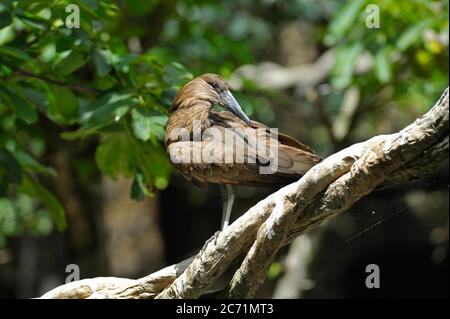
(409, 50)
(88, 78)
(111, 80)
(78, 76)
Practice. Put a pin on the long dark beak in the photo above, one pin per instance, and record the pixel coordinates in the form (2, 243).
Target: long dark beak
(233, 106)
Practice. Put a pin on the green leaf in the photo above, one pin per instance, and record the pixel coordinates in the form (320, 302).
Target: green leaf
(138, 188)
(412, 34)
(28, 162)
(106, 109)
(10, 166)
(64, 105)
(101, 61)
(115, 156)
(275, 270)
(343, 21)
(161, 182)
(34, 188)
(176, 74)
(121, 62)
(8, 220)
(383, 65)
(153, 164)
(70, 63)
(34, 6)
(42, 223)
(5, 18)
(16, 53)
(146, 125)
(119, 154)
(18, 103)
(94, 4)
(33, 21)
(346, 58)
(102, 112)
(6, 35)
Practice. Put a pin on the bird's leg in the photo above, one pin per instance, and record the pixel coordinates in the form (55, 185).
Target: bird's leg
(228, 200)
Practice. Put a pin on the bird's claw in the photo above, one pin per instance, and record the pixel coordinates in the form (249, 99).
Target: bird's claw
(212, 238)
(215, 236)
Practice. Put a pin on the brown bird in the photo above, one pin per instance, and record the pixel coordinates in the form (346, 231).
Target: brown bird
(226, 147)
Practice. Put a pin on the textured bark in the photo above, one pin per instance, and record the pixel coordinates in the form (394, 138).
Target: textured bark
(328, 189)
(113, 287)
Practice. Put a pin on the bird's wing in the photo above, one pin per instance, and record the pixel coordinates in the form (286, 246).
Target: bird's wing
(232, 152)
(228, 119)
(293, 158)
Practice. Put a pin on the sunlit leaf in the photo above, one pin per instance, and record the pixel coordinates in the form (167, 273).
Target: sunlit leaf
(70, 63)
(115, 156)
(275, 270)
(104, 110)
(121, 62)
(412, 34)
(146, 124)
(176, 74)
(383, 65)
(346, 58)
(7, 35)
(153, 164)
(64, 105)
(36, 22)
(343, 21)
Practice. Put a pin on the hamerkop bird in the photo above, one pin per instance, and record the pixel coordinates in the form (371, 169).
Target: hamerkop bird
(199, 147)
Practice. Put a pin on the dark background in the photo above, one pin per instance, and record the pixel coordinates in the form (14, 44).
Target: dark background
(403, 229)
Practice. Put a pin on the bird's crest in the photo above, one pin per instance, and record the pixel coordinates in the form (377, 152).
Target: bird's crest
(202, 89)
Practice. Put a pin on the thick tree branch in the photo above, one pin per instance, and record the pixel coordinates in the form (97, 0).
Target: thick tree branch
(410, 147)
(422, 165)
(326, 190)
(113, 287)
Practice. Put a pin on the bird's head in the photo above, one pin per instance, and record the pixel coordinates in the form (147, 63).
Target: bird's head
(208, 88)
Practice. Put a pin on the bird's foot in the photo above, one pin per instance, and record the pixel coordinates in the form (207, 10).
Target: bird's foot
(212, 238)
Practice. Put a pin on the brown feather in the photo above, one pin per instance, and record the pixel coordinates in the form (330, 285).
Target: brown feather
(194, 102)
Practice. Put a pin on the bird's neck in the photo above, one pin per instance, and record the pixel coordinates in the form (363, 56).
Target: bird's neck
(195, 117)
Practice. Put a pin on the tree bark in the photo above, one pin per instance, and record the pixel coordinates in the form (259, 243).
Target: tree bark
(328, 189)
